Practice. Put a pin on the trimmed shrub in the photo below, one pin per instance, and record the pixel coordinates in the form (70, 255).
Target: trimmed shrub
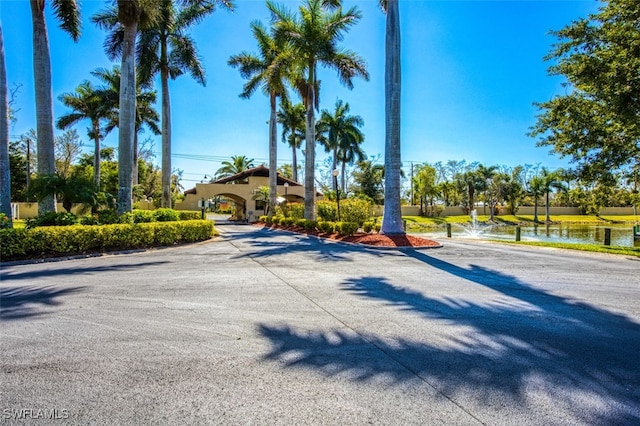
(89, 220)
(143, 216)
(310, 225)
(346, 228)
(327, 210)
(106, 217)
(166, 215)
(368, 226)
(263, 219)
(78, 239)
(326, 226)
(13, 242)
(52, 219)
(295, 210)
(189, 215)
(301, 222)
(4, 221)
(355, 210)
(287, 221)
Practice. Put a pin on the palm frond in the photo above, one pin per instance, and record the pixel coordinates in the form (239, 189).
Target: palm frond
(68, 13)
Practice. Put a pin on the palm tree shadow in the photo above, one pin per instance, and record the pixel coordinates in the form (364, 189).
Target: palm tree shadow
(24, 302)
(583, 357)
(319, 248)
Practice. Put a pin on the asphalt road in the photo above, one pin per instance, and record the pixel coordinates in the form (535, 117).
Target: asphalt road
(266, 327)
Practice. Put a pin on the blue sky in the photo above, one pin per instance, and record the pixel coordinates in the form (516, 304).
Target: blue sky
(471, 73)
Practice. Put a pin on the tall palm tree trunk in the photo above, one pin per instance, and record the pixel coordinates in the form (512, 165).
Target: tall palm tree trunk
(547, 208)
(44, 101)
(95, 124)
(127, 117)
(294, 166)
(334, 166)
(535, 210)
(273, 154)
(135, 158)
(310, 153)
(166, 140)
(5, 170)
(392, 218)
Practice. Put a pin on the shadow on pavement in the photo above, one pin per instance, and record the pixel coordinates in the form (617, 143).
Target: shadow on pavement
(321, 249)
(9, 275)
(523, 342)
(23, 302)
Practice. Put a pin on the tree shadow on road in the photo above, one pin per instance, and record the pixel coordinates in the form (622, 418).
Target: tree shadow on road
(52, 271)
(317, 248)
(24, 302)
(521, 343)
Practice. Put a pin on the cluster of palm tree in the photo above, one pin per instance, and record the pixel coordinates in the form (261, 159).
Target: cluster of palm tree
(458, 183)
(100, 105)
(290, 51)
(153, 30)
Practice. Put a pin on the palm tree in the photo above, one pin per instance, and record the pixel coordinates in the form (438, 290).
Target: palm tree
(86, 103)
(238, 164)
(68, 13)
(536, 189)
(550, 181)
(167, 49)
(68, 189)
(485, 175)
(292, 119)
(123, 23)
(269, 70)
(343, 137)
(314, 36)
(5, 168)
(146, 115)
(392, 218)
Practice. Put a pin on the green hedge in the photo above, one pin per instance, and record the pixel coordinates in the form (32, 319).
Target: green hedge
(78, 239)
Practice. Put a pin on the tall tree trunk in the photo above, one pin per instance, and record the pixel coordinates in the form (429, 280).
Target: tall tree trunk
(343, 179)
(44, 101)
(135, 158)
(535, 209)
(5, 170)
(547, 208)
(310, 153)
(96, 154)
(294, 166)
(273, 154)
(127, 118)
(166, 140)
(334, 167)
(392, 217)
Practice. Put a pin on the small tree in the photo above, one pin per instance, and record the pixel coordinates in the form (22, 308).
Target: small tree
(69, 190)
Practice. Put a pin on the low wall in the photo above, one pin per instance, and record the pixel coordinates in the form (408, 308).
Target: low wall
(29, 210)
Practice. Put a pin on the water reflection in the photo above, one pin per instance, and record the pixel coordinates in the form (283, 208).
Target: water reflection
(621, 235)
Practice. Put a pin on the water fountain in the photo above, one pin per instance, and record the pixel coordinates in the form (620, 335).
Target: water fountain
(475, 230)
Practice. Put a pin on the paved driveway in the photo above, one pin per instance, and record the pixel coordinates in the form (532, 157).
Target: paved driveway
(266, 327)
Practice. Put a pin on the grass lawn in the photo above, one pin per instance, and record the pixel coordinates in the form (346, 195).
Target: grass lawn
(627, 251)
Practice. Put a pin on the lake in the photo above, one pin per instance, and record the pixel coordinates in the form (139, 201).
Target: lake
(621, 235)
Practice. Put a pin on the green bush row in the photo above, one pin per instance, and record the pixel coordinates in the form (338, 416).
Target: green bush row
(108, 217)
(78, 239)
(329, 227)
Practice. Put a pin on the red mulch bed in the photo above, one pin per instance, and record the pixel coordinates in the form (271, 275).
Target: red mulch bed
(374, 240)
